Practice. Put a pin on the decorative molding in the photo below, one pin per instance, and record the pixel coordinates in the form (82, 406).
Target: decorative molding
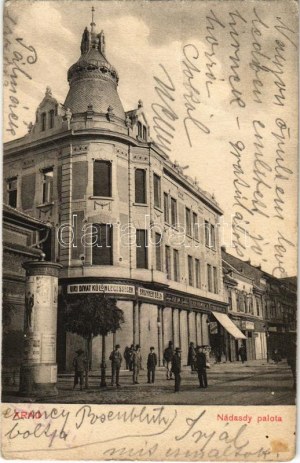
(102, 205)
(80, 148)
(28, 163)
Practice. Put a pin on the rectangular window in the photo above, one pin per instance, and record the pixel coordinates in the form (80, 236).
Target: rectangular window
(102, 249)
(188, 222)
(102, 178)
(191, 270)
(158, 252)
(140, 129)
(173, 212)
(176, 265)
(195, 226)
(212, 237)
(209, 280)
(144, 132)
(47, 185)
(43, 121)
(51, 119)
(12, 190)
(168, 261)
(141, 249)
(215, 275)
(207, 233)
(140, 186)
(166, 208)
(198, 273)
(157, 190)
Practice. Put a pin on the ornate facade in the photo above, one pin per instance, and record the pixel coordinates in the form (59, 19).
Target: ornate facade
(128, 221)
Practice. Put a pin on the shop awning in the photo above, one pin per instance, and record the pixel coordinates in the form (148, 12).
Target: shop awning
(229, 325)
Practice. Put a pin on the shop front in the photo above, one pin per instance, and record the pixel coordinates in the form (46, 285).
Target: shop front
(153, 317)
(255, 340)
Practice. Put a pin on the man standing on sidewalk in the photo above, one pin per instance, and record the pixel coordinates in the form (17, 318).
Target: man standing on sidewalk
(80, 366)
(168, 357)
(116, 360)
(151, 365)
(201, 366)
(136, 363)
(176, 368)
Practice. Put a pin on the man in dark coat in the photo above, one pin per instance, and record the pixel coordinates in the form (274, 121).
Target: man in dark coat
(151, 365)
(176, 368)
(192, 356)
(201, 367)
(80, 366)
(127, 356)
(168, 357)
(242, 353)
(116, 360)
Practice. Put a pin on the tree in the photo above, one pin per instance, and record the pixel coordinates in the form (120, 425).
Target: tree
(90, 315)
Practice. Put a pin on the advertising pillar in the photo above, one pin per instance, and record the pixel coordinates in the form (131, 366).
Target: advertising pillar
(38, 374)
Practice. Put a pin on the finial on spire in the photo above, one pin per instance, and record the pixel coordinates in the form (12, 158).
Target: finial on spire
(92, 23)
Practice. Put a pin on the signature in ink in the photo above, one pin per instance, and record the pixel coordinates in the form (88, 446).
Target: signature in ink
(192, 94)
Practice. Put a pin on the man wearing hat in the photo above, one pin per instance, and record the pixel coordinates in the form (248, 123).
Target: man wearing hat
(116, 360)
(176, 368)
(136, 363)
(151, 365)
(201, 366)
(80, 366)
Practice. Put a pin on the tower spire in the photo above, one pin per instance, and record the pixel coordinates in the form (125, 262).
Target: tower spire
(93, 23)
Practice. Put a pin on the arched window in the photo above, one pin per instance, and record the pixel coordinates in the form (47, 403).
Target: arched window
(51, 119)
(43, 121)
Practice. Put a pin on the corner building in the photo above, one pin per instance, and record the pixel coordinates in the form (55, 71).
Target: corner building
(128, 222)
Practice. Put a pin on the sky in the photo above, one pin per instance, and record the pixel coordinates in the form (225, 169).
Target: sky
(231, 141)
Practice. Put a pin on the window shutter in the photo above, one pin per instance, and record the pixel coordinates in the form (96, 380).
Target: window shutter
(79, 179)
(28, 191)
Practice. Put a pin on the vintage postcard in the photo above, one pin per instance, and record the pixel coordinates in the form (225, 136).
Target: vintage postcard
(150, 230)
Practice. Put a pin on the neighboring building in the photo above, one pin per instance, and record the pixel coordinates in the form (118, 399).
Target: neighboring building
(280, 312)
(23, 240)
(245, 307)
(262, 306)
(128, 222)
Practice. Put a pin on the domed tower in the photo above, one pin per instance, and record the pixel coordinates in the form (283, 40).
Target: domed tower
(93, 97)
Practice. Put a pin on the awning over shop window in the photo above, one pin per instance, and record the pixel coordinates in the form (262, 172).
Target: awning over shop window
(229, 325)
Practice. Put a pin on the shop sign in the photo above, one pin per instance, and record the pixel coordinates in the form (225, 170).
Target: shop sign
(150, 294)
(196, 304)
(176, 300)
(272, 329)
(246, 325)
(101, 288)
(213, 327)
(217, 308)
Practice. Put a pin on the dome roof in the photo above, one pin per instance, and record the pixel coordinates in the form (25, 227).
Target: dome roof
(93, 80)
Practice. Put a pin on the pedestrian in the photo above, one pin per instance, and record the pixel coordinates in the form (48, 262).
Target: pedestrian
(136, 363)
(176, 368)
(192, 356)
(127, 356)
(201, 366)
(151, 365)
(242, 353)
(168, 357)
(130, 357)
(80, 366)
(116, 360)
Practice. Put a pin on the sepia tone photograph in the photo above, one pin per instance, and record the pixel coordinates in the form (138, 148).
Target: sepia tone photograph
(149, 210)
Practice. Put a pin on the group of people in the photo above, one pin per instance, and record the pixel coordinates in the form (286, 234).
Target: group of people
(133, 358)
(133, 363)
(196, 359)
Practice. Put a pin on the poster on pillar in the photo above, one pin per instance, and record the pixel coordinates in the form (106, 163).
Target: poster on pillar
(149, 266)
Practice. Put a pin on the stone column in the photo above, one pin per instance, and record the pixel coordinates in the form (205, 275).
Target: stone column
(39, 368)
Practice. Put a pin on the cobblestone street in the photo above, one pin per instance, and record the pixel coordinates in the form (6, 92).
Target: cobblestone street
(252, 383)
